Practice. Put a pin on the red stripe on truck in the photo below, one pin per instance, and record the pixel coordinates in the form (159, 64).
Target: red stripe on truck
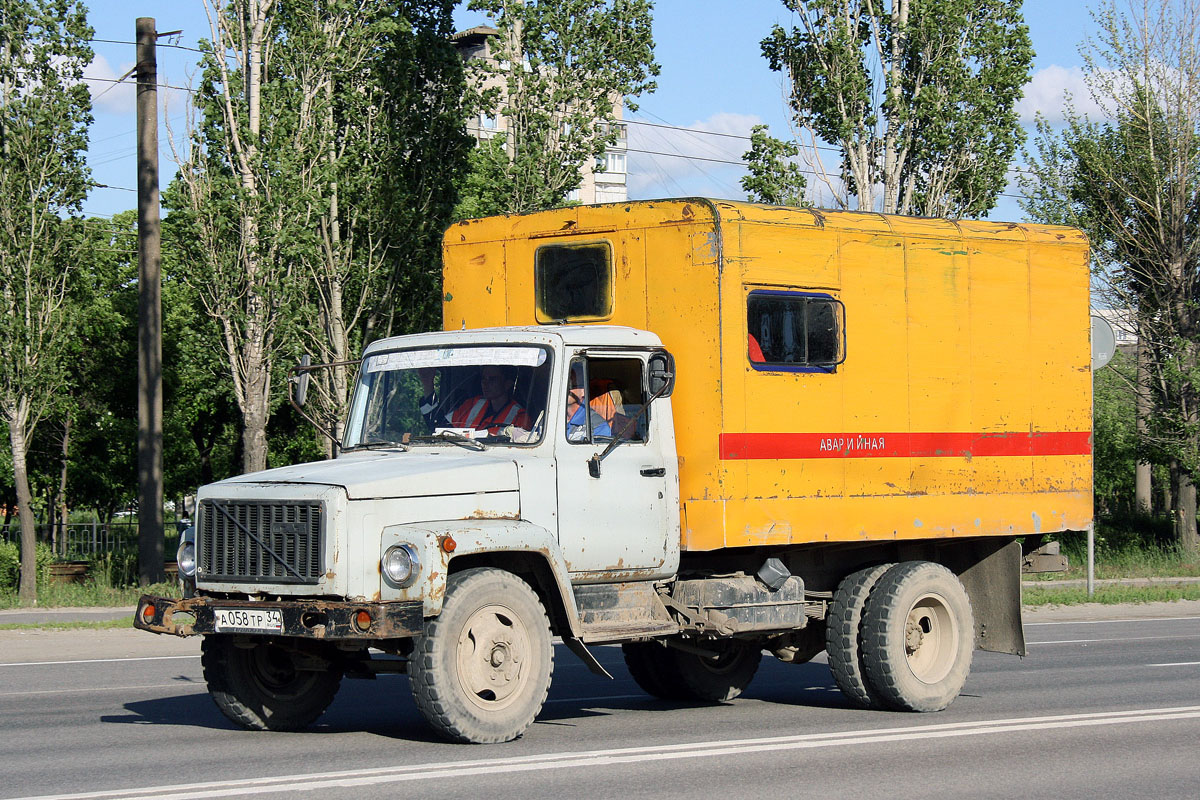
(743, 446)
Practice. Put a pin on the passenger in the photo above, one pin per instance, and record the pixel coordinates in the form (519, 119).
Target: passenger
(579, 415)
(493, 410)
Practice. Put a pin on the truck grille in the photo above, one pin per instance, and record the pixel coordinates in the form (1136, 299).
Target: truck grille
(260, 540)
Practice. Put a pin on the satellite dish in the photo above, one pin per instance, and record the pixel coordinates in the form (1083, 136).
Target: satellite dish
(1104, 342)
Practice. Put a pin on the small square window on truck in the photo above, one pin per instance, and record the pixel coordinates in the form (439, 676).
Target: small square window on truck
(573, 282)
(793, 331)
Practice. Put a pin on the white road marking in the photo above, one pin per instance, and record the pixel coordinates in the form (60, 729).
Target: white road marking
(1111, 639)
(1177, 664)
(95, 661)
(103, 689)
(628, 755)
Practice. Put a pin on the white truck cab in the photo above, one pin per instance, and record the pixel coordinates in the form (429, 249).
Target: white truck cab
(299, 569)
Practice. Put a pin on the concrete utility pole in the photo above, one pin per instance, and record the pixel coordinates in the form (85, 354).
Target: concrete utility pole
(150, 405)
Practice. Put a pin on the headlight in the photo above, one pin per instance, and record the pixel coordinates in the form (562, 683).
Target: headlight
(185, 556)
(400, 564)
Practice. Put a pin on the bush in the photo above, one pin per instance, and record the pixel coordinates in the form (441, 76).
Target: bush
(10, 566)
(115, 570)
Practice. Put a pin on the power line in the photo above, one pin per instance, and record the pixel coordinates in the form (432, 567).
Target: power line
(172, 46)
(160, 85)
(1022, 169)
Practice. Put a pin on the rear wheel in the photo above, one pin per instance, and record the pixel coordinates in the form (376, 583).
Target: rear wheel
(918, 637)
(481, 669)
(722, 676)
(268, 687)
(721, 672)
(652, 666)
(843, 627)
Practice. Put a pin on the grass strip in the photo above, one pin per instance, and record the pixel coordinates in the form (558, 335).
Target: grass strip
(1110, 595)
(93, 625)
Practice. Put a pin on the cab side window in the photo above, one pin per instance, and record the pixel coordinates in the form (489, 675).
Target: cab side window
(612, 390)
(795, 331)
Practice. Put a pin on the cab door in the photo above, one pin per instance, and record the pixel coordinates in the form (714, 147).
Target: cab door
(623, 522)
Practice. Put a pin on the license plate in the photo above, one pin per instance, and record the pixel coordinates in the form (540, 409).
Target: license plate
(266, 620)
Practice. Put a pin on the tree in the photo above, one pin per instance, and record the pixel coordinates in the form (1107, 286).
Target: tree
(234, 195)
(556, 70)
(774, 178)
(1132, 183)
(919, 96)
(44, 112)
(330, 140)
(381, 88)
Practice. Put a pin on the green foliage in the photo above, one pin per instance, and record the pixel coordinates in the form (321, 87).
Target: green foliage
(1110, 595)
(1132, 183)
(919, 94)
(774, 178)
(45, 109)
(575, 59)
(1114, 434)
(10, 566)
(423, 155)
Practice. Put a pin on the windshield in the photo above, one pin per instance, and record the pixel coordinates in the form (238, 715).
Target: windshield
(474, 394)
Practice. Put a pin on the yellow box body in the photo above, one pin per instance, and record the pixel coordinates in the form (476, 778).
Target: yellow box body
(963, 406)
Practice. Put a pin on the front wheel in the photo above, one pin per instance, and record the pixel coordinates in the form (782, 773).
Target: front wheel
(918, 636)
(481, 669)
(267, 687)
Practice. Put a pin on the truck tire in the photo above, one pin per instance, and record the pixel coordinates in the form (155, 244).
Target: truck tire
(843, 630)
(918, 637)
(652, 667)
(721, 677)
(266, 687)
(481, 669)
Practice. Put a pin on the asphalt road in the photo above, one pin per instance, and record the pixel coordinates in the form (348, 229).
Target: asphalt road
(1100, 708)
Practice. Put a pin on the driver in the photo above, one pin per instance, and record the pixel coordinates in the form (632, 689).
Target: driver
(492, 410)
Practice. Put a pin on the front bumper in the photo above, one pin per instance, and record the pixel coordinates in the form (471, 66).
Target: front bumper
(306, 619)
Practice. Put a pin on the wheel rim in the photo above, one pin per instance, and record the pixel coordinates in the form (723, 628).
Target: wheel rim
(493, 657)
(931, 638)
(274, 671)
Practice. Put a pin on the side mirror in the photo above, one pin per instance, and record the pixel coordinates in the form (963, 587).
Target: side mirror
(300, 380)
(662, 374)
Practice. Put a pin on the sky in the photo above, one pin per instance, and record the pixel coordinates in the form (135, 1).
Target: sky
(714, 80)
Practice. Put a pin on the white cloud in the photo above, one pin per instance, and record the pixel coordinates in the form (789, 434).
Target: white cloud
(118, 98)
(657, 170)
(1048, 91)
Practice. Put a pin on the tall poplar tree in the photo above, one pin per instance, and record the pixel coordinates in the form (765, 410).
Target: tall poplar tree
(320, 178)
(45, 109)
(920, 96)
(1132, 183)
(557, 69)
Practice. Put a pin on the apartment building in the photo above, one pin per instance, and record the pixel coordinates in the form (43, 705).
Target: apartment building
(608, 186)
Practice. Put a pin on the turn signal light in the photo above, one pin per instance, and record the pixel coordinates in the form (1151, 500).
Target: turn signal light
(448, 544)
(148, 612)
(362, 620)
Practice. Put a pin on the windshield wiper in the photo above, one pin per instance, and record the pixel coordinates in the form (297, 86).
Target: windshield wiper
(455, 437)
(380, 445)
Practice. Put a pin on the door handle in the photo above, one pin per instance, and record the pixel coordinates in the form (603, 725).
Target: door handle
(654, 472)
